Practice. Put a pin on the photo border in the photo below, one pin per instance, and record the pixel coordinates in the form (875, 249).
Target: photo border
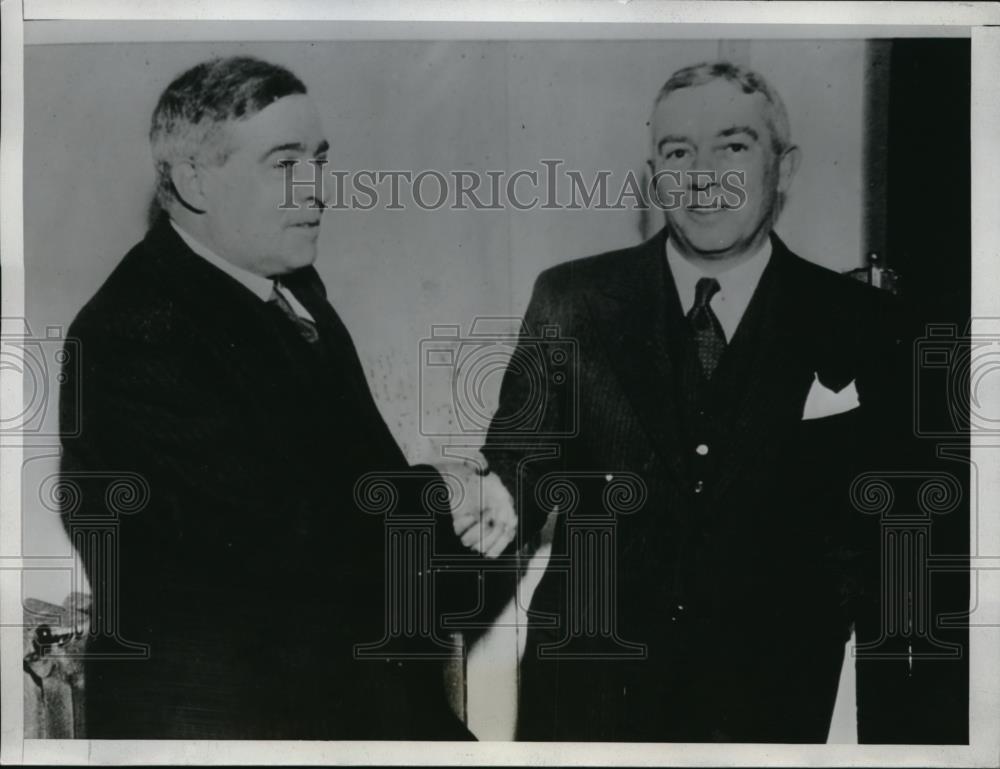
(68, 21)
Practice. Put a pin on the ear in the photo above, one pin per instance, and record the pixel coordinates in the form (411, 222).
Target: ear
(189, 185)
(788, 164)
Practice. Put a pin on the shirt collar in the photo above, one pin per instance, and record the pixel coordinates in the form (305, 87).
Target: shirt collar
(736, 286)
(257, 284)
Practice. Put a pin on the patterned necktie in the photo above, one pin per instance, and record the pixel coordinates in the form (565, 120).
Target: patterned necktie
(707, 331)
(305, 326)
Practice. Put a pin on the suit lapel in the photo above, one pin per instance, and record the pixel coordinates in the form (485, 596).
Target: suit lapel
(229, 318)
(642, 329)
(308, 288)
(636, 314)
(350, 388)
(763, 385)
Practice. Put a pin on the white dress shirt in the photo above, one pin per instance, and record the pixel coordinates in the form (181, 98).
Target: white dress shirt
(736, 286)
(256, 284)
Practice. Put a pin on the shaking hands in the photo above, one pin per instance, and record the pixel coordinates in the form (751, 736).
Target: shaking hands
(482, 510)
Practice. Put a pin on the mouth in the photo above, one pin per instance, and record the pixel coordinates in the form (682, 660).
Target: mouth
(310, 225)
(704, 212)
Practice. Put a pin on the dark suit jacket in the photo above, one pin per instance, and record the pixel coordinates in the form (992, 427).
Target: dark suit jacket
(709, 595)
(250, 571)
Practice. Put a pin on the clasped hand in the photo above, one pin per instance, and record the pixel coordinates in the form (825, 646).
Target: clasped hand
(482, 509)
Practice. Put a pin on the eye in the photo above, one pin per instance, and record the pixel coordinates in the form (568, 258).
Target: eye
(285, 163)
(676, 153)
(734, 148)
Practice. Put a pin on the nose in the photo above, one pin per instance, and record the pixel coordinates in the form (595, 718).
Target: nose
(316, 202)
(703, 178)
(323, 192)
(310, 187)
(707, 163)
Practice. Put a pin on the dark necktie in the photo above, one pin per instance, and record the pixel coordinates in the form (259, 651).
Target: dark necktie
(705, 327)
(305, 326)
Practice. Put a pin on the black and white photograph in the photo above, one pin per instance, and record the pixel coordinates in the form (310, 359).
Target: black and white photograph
(588, 389)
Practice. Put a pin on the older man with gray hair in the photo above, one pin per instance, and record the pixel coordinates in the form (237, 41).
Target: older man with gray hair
(736, 389)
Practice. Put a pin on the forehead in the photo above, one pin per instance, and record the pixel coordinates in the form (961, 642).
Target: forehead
(289, 120)
(706, 109)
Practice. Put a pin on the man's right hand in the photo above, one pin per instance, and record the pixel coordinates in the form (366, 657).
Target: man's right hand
(482, 509)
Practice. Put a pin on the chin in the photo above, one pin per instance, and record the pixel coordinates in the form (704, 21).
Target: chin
(301, 258)
(708, 246)
(290, 262)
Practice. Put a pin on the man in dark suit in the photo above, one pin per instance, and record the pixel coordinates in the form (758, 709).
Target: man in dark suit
(217, 379)
(735, 390)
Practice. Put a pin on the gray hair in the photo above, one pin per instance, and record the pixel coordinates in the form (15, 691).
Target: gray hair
(750, 82)
(189, 121)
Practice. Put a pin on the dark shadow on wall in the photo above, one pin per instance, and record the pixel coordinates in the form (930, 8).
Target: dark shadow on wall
(927, 236)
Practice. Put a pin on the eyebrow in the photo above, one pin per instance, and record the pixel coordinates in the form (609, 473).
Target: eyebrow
(323, 146)
(740, 129)
(731, 131)
(671, 139)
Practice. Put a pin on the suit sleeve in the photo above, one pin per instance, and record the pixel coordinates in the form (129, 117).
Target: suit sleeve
(536, 414)
(154, 413)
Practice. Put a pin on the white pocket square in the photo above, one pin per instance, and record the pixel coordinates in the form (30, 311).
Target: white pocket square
(824, 402)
